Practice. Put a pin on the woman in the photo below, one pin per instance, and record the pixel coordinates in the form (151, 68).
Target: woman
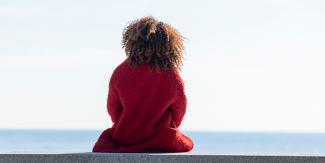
(146, 98)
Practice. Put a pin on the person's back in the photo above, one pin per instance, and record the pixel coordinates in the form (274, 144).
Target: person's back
(146, 99)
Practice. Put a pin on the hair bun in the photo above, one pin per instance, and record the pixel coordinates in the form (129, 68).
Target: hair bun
(145, 30)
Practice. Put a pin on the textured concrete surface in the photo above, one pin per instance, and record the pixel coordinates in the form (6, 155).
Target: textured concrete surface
(154, 158)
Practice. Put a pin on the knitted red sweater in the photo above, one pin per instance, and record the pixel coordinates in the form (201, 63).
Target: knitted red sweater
(146, 108)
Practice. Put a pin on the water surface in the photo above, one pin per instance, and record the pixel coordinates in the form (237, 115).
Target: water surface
(65, 141)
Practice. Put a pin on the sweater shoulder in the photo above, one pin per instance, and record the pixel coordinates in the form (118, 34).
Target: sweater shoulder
(179, 79)
(117, 72)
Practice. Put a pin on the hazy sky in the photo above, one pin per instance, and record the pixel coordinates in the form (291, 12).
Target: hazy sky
(254, 65)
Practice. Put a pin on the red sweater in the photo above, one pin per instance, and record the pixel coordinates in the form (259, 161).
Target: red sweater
(146, 108)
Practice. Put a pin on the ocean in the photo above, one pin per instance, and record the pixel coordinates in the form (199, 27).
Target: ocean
(75, 141)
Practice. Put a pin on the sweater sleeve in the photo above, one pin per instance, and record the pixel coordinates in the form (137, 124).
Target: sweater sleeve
(114, 106)
(179, 106)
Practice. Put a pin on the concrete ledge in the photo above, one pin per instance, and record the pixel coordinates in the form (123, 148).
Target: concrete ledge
(154, 158)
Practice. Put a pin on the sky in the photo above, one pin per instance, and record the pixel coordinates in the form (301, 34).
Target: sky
(254, 65)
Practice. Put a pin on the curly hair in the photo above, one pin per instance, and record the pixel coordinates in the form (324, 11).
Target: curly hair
(148, 40)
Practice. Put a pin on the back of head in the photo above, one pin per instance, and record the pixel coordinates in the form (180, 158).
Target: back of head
(148, 40)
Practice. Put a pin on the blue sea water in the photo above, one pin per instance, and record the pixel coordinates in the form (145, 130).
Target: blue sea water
(65, 141)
